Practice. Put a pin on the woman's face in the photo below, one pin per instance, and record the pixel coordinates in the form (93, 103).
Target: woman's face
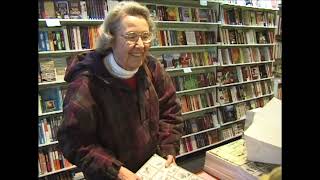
(130, 54)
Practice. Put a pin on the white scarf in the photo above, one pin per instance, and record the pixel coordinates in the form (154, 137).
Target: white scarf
(117, 71)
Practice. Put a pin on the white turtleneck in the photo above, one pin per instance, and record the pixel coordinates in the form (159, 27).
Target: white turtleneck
(114, 69)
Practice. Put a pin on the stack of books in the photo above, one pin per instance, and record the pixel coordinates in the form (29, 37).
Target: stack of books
(154, 169)
(230, 161)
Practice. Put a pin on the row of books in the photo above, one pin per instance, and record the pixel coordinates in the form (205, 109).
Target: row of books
(84, 37)
(242, 92)
(231, 131)
(233, 112)
(229, 75)
(219, 117)
(68, 38)
(238, 16)
(235, 55)
(52, 69)
(187, 14)
(239, 36)
(253, 3)
(194, 81)
(279, 92)
(278, 22)
(192, 143)
(224, 95)
(188, 59)
(72, 9)
(51, 160)
(47, 129)
(198, 101)
(200, 123)
(278, 50)
(173, 37)
(50, 99)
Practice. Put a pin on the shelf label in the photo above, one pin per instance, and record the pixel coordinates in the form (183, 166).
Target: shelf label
(53, 22)
(203, 2)
(187, 70)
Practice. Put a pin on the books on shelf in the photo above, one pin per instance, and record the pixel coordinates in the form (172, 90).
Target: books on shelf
(51, 160)
(50, 99)
(230, 161)
(155, 169)
(73, 9)
(231, 84)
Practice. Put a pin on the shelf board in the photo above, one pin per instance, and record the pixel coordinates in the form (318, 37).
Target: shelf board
(57, 171)
(44, 85)
(200, 132)
(245, 82)
(198, 112)
(210, 145)
(227, 104)
(177, 3)
(61, 53)
(247, 26)
(159, 24)
(225, 4)
(48, 144)
(74, 22)
(232, 122)
(194, 70)
(196, 90)
(183, 48)
(50, 113)
(249, 63)
(246, 45)
(182, 25)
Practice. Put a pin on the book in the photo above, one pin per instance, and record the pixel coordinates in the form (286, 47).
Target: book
(230, 161)
(153, 11)
(155, 169)
(172, 14)
(229, 113)
(51, 99)
(62, 9)
(74, 9)
(84, 10)
(185, 14)
(49, 9)
(48, 70)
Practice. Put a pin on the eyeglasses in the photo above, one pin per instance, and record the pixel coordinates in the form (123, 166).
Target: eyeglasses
(133, 37)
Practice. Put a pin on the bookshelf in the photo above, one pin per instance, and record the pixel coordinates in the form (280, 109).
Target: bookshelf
(206, 56)
(278, 56)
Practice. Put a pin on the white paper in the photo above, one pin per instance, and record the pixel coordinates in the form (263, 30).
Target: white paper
(263, 136)
(203, 2)
(249, 117)
(187, 70)
(53, 22)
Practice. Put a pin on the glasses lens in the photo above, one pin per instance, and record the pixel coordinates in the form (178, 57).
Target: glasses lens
(132, 36)
(146, 36)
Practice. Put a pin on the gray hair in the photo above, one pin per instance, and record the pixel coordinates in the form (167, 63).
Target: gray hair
(111, 23)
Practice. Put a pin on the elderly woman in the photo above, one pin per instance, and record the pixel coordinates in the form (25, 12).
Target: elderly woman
(121, 105)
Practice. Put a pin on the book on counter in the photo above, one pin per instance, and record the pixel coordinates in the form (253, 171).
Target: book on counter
(230, 161)
(155, 169)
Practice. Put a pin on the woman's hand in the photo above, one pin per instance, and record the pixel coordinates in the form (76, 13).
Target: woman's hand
(126, 174)
(170, 160)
